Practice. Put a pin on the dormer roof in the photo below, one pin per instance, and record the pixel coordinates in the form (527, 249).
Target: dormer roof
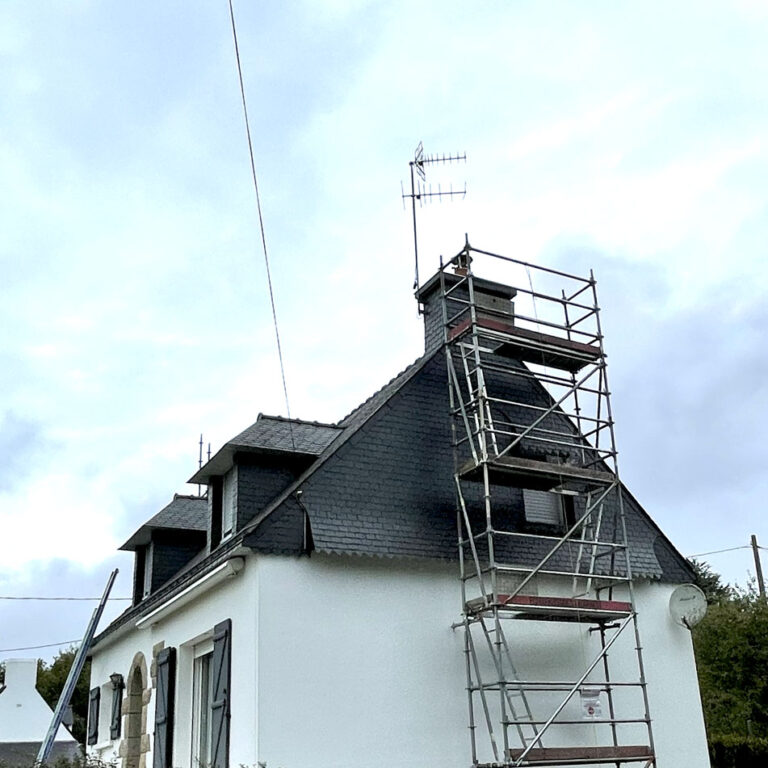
(271, 435)
(184, 513)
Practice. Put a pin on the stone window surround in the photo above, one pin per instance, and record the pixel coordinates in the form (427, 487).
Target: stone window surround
(131, 758)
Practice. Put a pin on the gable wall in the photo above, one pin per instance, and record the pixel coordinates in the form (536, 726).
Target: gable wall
(351, 661)
(24, 714)
(359, 666)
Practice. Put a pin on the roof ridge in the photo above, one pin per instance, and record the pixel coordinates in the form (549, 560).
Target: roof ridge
(313, 422)
(192, 496)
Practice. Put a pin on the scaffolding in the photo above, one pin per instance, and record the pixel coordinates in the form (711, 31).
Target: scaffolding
(542, 534)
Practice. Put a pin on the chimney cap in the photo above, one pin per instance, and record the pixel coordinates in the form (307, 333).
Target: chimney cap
(480, 284)
(20, 673)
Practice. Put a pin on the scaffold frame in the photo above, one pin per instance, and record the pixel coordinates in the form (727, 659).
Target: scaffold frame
(531, 414)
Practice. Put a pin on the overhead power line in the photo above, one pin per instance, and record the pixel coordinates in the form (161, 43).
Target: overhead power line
(35, 647)
(261, 217)
(14, 597)
(718, 551)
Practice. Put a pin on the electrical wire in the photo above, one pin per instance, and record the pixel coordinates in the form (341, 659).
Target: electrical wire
(718, 551)
(261, 217)
(9, 597)
(35, 647)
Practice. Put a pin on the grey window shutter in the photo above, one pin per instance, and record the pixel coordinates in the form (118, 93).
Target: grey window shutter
(220, 702)
(543, 507)
(94, 699)
(162, 754)
(117, 708)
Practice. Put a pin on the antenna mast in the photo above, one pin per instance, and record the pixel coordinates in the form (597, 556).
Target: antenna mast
(423, 193)
(200, 459)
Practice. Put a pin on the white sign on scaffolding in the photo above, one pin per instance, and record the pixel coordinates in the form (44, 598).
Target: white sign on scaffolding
(591, 708)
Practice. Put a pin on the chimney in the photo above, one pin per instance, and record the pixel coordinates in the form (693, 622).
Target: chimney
(20, 674)
(492, 300)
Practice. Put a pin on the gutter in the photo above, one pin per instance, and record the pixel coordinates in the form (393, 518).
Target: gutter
(227, 570)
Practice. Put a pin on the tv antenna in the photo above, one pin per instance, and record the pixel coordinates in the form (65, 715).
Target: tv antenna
(424, 193)
(200, 460)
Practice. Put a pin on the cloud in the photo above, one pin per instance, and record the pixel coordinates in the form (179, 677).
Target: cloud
(133, 279)
(23, 444)
(33, 622)
(565, 131)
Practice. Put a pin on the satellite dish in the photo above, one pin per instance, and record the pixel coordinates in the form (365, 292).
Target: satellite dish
(687, 605)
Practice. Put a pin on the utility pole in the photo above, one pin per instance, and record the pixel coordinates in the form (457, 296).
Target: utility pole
(758, 567)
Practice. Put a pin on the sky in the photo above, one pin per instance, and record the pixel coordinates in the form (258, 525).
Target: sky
(629, 138)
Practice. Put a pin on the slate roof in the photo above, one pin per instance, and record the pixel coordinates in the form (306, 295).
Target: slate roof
(386, 487)
(184, 513)
(381, 483)
(287, 527)
(22, 754)
(271, 435)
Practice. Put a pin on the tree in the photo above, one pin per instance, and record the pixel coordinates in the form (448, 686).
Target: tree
(731, 645)
(710, 582)
(50, 683)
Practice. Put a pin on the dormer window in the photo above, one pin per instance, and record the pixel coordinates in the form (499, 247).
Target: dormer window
(147, 580)
(228, 503)
(166, 543)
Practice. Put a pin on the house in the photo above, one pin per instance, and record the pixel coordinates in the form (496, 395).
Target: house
(451, 574)
(25, 718)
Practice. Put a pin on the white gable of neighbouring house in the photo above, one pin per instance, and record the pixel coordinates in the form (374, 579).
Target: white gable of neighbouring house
(24, 714)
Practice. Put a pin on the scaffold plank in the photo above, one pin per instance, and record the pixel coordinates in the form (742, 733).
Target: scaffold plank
(533, 346)
(583, 755)
(531, 473)
(543, 608)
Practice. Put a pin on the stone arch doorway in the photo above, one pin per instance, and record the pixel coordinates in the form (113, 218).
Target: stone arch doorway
(135, 741)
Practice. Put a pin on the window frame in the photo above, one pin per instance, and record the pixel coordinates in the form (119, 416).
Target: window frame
(228, 504)
(202, 703)
(146, 585)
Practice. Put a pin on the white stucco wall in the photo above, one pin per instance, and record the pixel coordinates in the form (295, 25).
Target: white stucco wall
(358, 665)
(347, 661)
(673, 689)
(234, 599)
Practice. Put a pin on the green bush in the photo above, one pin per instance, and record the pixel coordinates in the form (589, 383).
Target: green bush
(730, 750)
(62, 762)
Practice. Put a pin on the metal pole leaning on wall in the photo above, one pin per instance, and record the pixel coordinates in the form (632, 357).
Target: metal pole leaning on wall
(74, 674)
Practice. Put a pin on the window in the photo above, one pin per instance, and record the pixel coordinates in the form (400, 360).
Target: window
(104, 717)
(147, 585)
(211, 681)
(202, 700)
(543, 508)
(138, 574)
(228, 503)
(214, 496)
